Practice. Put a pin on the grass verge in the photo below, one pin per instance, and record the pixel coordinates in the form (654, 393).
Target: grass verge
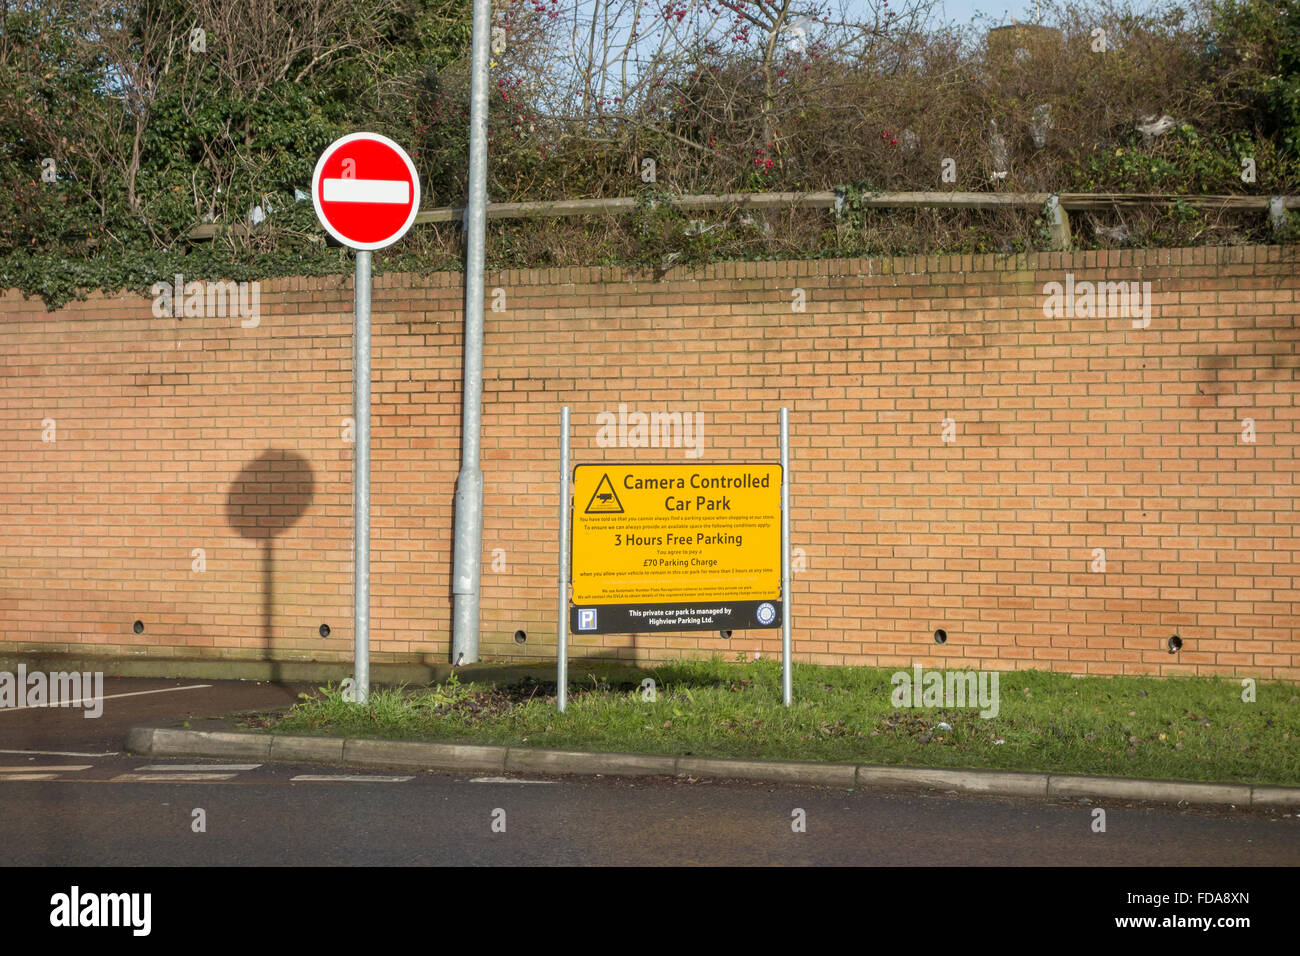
(1169, 728)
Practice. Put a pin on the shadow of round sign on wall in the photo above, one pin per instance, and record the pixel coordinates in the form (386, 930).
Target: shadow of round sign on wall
(267, 498)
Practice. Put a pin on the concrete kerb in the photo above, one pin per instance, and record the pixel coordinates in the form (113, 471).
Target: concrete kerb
(419, 755)
(1275, 796)
(1002, 782)
(165, 742)
(288, 748)
(526, 759)
(416, 755)
(1163, 790)
(782, 771)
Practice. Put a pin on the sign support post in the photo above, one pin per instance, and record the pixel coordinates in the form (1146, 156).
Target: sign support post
(366, 192)
(467, 552)
(562, 654)
(787, 680)
(361, 481)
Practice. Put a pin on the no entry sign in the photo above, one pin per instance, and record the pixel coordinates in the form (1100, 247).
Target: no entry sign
(366, 191)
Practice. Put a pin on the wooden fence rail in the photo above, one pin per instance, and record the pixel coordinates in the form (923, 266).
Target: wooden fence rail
(1056, 205)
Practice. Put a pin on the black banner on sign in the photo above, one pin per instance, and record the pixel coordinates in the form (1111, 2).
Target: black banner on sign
(697, 616)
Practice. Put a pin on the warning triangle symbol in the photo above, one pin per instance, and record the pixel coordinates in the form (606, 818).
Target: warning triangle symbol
(604, 500)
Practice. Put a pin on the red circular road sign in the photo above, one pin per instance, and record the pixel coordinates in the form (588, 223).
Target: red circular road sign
(365, 190)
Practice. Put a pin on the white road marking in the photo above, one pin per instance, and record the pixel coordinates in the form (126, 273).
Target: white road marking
(170, 777)
(347, 778)
(31, 768)
(86, 700)
(201, 767)
(508, 780)
(56, 753)
(366, 190)
(28, 776)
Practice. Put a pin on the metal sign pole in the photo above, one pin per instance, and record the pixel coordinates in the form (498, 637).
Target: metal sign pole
(364, 213)
(467, 551)
(562, 654)
(361, 481)
(787, 682)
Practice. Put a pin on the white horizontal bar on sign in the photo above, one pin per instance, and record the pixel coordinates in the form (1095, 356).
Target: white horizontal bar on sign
(367, 190)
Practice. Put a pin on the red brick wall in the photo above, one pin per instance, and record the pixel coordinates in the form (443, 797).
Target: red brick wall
(1072, 433)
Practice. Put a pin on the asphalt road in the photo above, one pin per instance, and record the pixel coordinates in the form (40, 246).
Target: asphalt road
(114, 811)
(131, 701)
(68, 796)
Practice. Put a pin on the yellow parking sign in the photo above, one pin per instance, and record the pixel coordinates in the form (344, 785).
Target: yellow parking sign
(676, 546)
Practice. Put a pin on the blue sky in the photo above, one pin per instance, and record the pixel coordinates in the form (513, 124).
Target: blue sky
(963, 11)
(972, 18)
(1001, 11)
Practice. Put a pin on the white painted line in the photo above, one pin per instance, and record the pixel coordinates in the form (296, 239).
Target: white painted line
(170, 777)
(508, 780)
(347, 778)
(34, 769)
(86, 700)
(28, 776)
(57, 753)
(201, 767)
(366, 190)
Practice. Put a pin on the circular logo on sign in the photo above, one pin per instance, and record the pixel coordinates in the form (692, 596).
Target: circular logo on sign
(766, 613)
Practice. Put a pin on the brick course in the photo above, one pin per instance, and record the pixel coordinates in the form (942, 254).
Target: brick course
(1072, 434)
